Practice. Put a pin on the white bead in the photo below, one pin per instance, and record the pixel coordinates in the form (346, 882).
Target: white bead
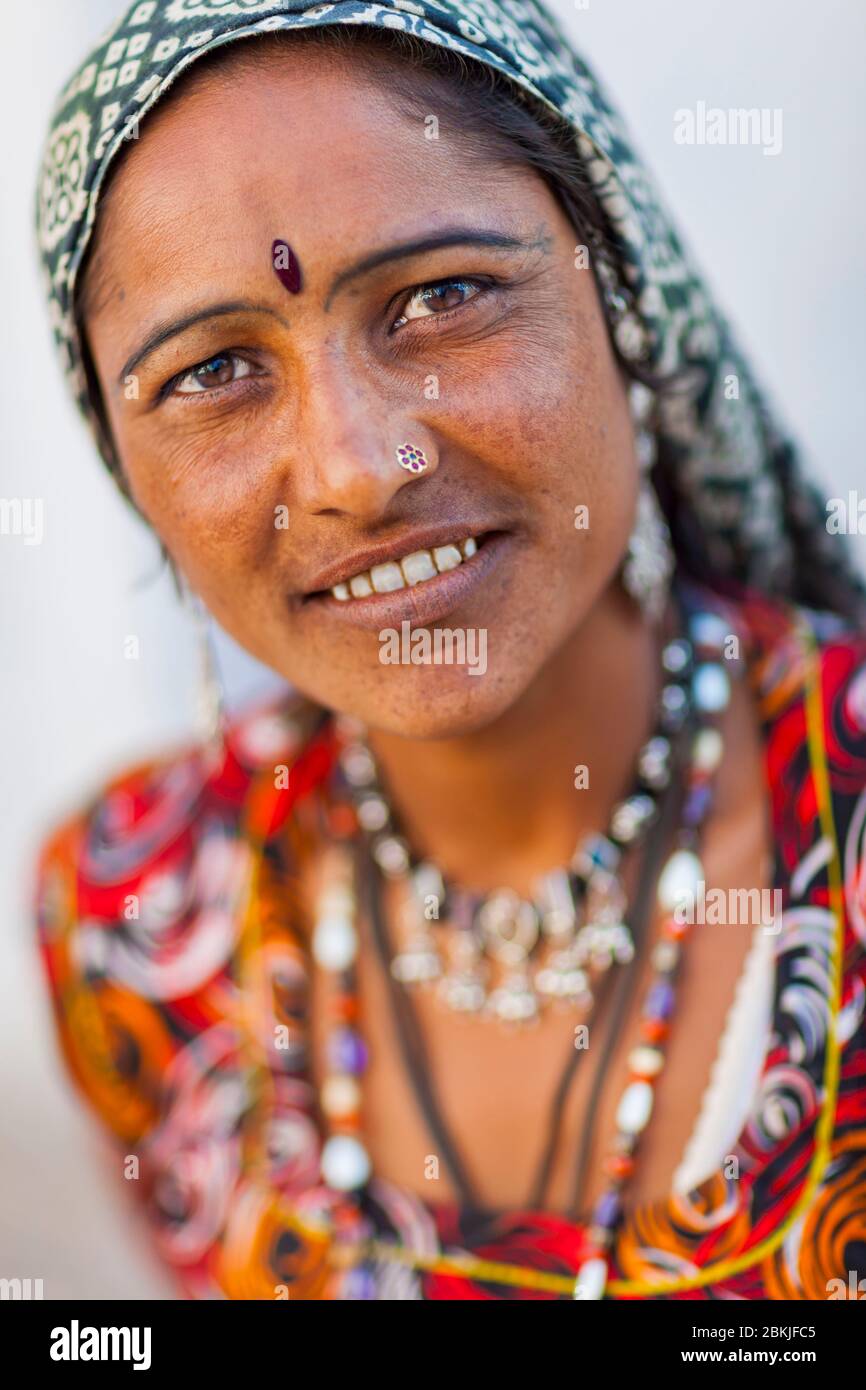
(591, 1279)
(665, 955)
(645, 1061)
(336, 900)
(372, 812)
(335, 942)
(427, 882)
(679, 879)
(391, 854)
(340, 1096)
(635, 1107)
(675, 657)
(344, 1163)
(707, 750)
(358, 765)
(709, 630)
(711, 689)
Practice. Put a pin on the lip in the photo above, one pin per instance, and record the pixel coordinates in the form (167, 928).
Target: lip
(419, 604)
(422, 538)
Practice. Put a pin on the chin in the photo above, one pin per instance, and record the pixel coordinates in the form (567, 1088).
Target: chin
(435, 702)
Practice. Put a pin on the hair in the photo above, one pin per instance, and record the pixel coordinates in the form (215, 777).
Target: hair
(496, 119)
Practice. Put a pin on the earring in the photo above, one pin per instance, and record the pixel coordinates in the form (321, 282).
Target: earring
(210, 711)
(649, 560)
(629, 332)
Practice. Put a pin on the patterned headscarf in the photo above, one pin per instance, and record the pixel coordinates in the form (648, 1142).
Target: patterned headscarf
(731, 478)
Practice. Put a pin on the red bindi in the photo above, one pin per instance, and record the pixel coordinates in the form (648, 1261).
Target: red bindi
(286, 266)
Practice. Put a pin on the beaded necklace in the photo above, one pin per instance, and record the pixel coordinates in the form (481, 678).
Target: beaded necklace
(345, 1163)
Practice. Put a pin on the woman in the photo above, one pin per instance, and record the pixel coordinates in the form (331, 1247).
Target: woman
(519, 953)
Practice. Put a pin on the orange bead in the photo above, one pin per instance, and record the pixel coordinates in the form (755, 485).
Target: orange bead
(653, 1029)
(674, 930)
(342, 820)
(619, 1166)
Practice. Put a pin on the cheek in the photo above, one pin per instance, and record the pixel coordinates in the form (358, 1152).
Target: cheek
(552, 422)
(203, 494)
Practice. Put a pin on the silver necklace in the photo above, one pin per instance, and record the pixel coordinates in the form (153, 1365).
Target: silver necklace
(506, 957)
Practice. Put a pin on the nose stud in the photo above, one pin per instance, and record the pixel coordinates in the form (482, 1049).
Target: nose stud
(414, 460)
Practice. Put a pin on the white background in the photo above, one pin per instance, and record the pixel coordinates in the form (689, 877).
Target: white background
(782, 242)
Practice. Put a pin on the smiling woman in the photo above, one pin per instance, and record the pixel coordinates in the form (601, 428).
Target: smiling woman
(389, 986)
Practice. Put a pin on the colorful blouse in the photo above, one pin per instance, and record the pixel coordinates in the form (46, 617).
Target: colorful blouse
(171, 929)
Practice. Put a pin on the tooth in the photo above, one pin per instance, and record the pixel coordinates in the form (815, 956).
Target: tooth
(341, 591)
(360, 586)
(418, 566)
(386, 578)
(469, 547)
(447, 557)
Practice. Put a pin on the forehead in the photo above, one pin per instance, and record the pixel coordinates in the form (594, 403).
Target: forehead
(295, 145)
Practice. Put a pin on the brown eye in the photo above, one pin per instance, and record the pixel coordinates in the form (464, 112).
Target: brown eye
(219, 370)
(435, 300)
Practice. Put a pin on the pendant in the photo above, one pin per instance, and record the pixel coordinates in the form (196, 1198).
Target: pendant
(605, 939)
(558, 911)
(418, 963)
(562, 978)
(603, 944)
(509, 926)
(464, 991)
(514, 1001)
(464, 987)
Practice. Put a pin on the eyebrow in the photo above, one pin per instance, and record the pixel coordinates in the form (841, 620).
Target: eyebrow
(452, 236)
(165, 331)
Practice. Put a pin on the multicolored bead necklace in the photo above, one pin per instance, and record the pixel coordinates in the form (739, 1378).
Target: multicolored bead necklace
(697, 662)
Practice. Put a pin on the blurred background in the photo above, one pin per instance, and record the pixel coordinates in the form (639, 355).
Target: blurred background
(781, 239)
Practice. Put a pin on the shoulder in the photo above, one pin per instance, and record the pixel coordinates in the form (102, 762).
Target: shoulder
(808, 671)
(797, 655)
(137, 898)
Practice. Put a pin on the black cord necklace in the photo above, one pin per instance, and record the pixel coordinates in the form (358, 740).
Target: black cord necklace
(414, 1052)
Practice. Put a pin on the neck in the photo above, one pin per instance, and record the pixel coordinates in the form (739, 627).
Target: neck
(499, 806)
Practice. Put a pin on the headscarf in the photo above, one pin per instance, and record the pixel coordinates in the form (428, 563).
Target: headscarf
(729, 469)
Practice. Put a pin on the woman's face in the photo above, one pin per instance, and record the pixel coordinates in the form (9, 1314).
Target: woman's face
(258, 428)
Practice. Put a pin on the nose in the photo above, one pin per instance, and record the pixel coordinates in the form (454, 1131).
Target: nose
(358, 451)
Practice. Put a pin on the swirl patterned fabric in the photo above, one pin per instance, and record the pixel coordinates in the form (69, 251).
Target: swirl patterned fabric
(739, 490)
(172, 931)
